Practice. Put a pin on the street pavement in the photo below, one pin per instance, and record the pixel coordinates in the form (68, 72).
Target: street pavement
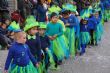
(95, 60)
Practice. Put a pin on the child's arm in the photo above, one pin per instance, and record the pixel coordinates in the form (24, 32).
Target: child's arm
(9, 58)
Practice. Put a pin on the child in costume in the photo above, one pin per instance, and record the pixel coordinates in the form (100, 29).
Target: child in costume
(84, 35)
(33, 40)
(45, 45)
(54, 32)
(31, 28)
(106, 5)
(77, 30)
(20, 59)
(11, 29)
(95, 27)
(70, 23)
(57, 10)
(98, 28)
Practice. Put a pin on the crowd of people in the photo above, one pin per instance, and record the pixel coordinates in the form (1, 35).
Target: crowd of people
(51, 31)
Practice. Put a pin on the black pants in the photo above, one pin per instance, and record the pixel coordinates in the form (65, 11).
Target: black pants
(92, 36)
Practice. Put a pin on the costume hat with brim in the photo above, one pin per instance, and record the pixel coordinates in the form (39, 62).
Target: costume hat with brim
(30, 25)
(55, 9)
(13, 26)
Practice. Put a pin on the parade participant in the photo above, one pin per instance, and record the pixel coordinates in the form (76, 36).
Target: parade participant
(98, 28)
(57, 41)
(70, 23)
(77, 30)
(33, 40)
(107, 10)
(11, 29)
(95, 27)
(84, 35)
(45, 45)
(20, 59)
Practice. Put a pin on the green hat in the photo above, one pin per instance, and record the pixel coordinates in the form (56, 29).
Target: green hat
(55, 9)
(43, 25)
(13, 26)
(68, 6)
(30, 25)
(30, 19)
(73, 10)
(85, 13)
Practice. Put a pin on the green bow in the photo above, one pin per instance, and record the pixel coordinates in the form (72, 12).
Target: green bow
(31, 37)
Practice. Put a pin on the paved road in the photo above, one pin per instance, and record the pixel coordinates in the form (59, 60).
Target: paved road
(96, 59)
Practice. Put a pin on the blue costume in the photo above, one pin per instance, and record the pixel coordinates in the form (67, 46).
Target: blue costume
(84, 36)
(20, 56)
(95, 29)
(45, 42)
(35, 46)
(70, 32)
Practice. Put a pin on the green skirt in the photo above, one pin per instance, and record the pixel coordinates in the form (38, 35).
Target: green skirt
(70, 39)
(85, 37)
(56, 48)
(18, 69)
(98, 33)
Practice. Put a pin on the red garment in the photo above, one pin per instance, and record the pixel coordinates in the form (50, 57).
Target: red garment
(17, 17)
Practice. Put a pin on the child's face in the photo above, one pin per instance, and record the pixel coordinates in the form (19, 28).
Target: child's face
(7, 22)
(85, 22)
(21, 37)
(96, 14)
(54, 19)
(33, 31)
(4, 26)
(41, 31)
(66, 15)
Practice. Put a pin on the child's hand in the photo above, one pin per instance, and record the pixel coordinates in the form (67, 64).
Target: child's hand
(37, 64)
(67, 24)
(46, 49)
(55, 36)
(50, 37)
(5, 71)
